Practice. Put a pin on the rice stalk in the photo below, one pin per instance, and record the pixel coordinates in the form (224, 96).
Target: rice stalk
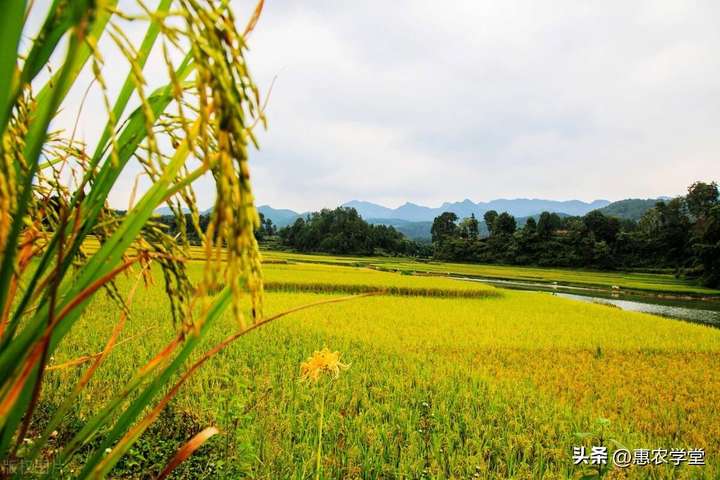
(286, 286)
(54, 198)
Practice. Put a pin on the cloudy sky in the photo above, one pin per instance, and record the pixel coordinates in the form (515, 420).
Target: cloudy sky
(427, 101)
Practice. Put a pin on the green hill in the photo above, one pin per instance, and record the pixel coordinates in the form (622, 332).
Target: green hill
(630, 209)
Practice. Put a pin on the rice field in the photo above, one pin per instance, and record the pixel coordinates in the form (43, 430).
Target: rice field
(657, 283)
(648, 282)
(446, 379)
(327, 278)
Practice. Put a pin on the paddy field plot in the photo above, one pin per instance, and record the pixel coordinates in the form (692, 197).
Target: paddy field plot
(442, 383)
(661, 283)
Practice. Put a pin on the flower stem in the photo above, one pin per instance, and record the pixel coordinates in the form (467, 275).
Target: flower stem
(320, 433)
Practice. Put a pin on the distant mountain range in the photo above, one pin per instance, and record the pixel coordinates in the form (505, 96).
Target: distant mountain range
(410, 212)
(415, 221)
(519, 207)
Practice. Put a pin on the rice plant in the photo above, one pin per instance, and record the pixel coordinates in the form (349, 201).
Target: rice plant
(198, 122)
(404, 291)
(446, 387)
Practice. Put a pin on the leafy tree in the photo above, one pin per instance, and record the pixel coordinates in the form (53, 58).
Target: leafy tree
(470, 227)
(268, 225)
(548, 223)
(673, 236)
(701, 198)
(444, 227)
(266, 228)
(490, 217)
(681, 234)
(604, 228)
(602, 255)
(649, 223)
(505, 224)
(708, 248)
(343, 231)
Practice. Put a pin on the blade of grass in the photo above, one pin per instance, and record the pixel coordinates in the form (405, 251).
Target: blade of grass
(253, 19)
(69, 400)
(129, 416)
(34, 143)
(11, 24)
(93, 425)
(126, 91)
(113, 249)
(108, 253)
(76, 362)
(62, 17)
(13, 390)
(227, 104)
(183, 453)
(54, 29)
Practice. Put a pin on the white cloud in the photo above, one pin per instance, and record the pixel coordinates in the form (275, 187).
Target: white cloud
(437, 101)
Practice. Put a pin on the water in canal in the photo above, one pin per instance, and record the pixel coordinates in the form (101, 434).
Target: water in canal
(698, 311)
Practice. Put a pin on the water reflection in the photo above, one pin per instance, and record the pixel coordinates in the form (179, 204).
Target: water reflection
(692, 314)
(698, 311)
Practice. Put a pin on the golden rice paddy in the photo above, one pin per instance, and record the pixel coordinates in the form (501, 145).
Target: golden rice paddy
(441, 383)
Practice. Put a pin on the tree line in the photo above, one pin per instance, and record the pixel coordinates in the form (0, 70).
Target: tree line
(682, 234)
(344, 231)
(340, 231)
(174, 226)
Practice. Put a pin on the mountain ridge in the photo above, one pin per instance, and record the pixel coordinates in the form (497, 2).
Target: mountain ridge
(631, 208)
(519, 207)
(415, 220)
(412, 212)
